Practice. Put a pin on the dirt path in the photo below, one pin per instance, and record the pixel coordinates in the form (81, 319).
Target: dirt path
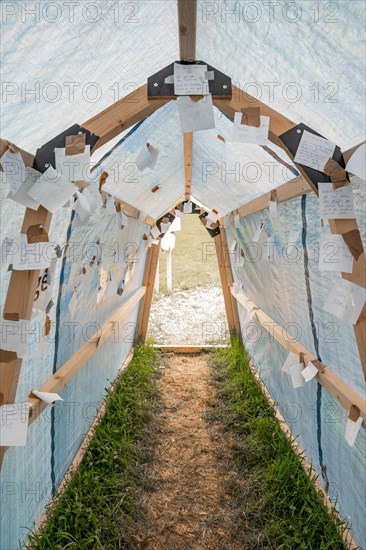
(190, 508)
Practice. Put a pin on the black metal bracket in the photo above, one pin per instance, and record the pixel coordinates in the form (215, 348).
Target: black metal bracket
(157, 88)
(291, 140)
(45, 155)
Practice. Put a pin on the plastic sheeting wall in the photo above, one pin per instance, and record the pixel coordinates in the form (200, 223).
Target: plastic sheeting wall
(278, 287)
(30, 474)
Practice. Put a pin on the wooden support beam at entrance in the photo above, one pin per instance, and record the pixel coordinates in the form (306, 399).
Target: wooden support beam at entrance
(188, 143)
(152, 260)
(187, 23)
(223, 261)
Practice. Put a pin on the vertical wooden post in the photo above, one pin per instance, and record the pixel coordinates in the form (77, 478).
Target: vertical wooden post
(188, 148)
(187, 23)
(226, 283)
(152, 260)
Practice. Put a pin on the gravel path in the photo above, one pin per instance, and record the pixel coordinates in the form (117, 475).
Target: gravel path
(194, 316)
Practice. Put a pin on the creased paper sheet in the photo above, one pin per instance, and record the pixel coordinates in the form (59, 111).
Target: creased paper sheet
(196, 115)
(52, 190)
(291, 359)
(250, 134)
(14, 168)
(334, 254)
(357, 163)
(190, 79)
(147, 157)
(309, 372)
(335, 203)
(73, 167)
(14, 424)
(21, 195)
(47, 397)
(294, 369)
(352, 429)
(32, 256)
(346, 301)
(314, 151)
(81, 206)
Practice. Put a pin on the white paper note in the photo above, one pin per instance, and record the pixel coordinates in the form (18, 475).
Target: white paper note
(178, 213)
(52, 190)
(14, 424)
(346, 301)
(257, 234)
(15, 335)
(357, 163)
(292, 359)
(272, 209)
(10, 247)
(32, 256)
(47, 397)
(196, 115)
(250, 134)
(352, 429)
(190, 79)
(14, 168)
(334, 254)
(155, 232)
(73, 167)
(81, 206)
(295, 372)
(309, 372)
(335, 203)
(237, 223)
(43, 293)
(147, 157)
(314, 151)
(21, 196)
(93, 191)
(164, 227)
(187, 207)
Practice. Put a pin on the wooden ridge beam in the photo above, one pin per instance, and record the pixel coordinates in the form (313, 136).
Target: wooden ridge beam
(335, 386)
(187, 24)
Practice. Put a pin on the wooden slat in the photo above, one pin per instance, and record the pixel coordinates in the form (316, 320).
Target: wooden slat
(70, 369)
(187, 22)
(122, 114)
(188, 142)
(152, 260)
(285, 192)
(338, 388)
(226, 282)
(188, 348)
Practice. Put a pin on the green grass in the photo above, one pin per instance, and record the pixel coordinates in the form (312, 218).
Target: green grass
(193, 245)
(281, 507)
(99, 504)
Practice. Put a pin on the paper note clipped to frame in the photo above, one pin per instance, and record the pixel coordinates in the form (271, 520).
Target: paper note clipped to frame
(314, 151)
(335, 203)
(14, 424)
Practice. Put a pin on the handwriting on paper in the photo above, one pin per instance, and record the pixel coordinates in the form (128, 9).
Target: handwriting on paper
(190, 79)
(250, 134)
(335, 203)
(314, 151)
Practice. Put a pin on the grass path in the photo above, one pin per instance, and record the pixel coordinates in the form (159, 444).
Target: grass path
(191, 459)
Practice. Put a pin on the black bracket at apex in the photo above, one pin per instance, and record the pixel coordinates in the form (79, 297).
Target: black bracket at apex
(219, 87)
(45, 155)
(291, 139)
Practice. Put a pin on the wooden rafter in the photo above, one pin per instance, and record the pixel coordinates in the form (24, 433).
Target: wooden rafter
(187, 22)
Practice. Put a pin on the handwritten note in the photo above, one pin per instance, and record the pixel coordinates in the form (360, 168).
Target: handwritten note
(314, 151)
(196, 115)
(21, 195)
(335, 203)
(250, 134)
(190, 79)
(334, 254)
(346, 301)
(14, 424)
